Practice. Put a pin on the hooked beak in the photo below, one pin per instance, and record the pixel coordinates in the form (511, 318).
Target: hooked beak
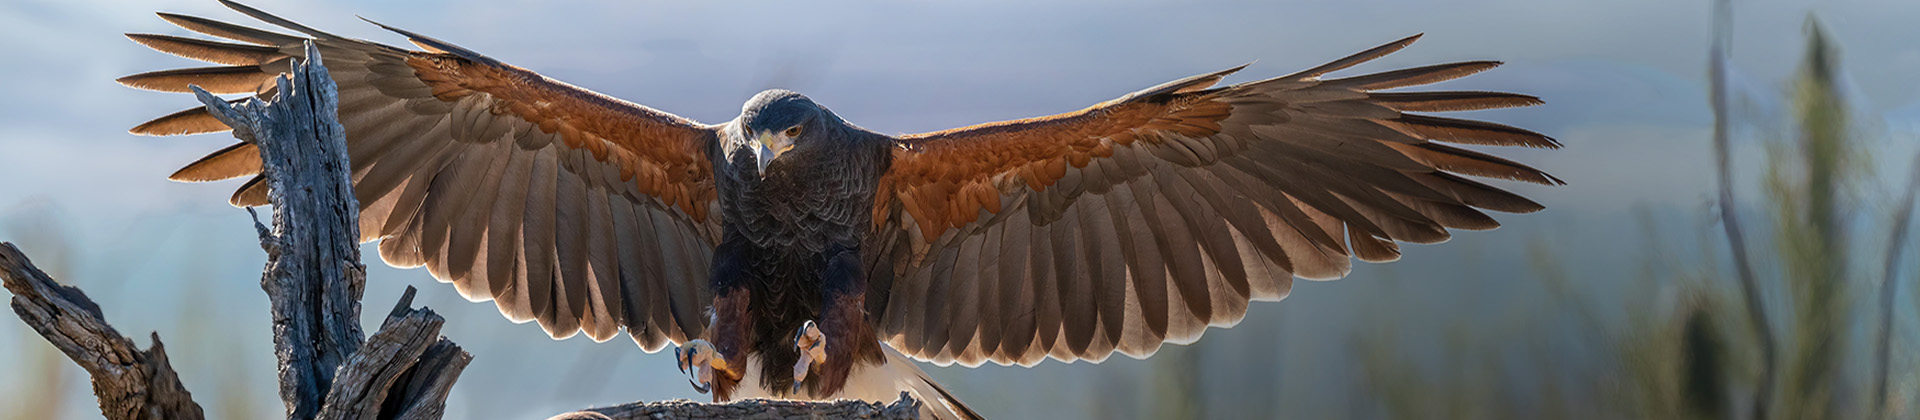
(767, 147)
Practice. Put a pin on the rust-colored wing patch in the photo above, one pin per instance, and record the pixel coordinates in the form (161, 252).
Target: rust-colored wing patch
(944, 179)
(1149, 218)
(665, 152)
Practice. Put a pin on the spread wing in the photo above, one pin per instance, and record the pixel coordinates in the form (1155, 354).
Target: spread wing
(1148, 218)
(580, 211)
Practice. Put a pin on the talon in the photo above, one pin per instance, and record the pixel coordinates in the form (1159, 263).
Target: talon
(697, 359)
(680, 359)
(800, 372)
(813, 349)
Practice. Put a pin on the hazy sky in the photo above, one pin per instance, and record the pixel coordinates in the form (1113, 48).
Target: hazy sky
(1623, 81)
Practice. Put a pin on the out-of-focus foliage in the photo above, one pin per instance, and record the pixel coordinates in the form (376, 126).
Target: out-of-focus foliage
(1683, 351)
(42, 390)
(1808, 183)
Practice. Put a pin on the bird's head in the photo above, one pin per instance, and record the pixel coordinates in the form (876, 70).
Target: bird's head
(777, 121)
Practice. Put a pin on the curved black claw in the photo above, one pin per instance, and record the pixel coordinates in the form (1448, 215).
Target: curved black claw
(681, 361)
(697, 359)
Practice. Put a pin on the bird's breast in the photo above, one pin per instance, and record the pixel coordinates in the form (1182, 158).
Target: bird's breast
(805, 206)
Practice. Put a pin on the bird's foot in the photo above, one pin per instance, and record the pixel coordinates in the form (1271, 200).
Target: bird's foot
(813, 349)
(698, 359)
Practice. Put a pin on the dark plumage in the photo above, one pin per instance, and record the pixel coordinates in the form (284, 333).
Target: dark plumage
(792, 243)
(810, 207)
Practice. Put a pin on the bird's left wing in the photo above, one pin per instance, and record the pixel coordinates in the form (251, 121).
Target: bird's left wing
(1148, 218)
(580, 211)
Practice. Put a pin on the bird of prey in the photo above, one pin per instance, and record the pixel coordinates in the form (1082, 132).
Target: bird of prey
(792, 254)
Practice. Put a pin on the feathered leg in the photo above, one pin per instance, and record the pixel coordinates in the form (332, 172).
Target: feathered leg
(843, 337)
(724, 350)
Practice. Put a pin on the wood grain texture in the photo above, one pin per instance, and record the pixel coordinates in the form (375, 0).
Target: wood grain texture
(313, 278)
(406, 362)
(904, 408)
(131, 383)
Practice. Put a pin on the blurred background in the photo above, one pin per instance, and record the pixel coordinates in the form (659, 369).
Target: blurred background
(1622, 300)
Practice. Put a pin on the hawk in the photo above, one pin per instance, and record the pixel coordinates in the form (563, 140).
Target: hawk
(792, 254)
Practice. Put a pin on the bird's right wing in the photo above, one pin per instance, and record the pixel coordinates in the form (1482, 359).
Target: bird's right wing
(1148, 218)
(581, 211)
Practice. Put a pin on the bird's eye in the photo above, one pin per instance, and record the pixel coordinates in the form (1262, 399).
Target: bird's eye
(793, 132)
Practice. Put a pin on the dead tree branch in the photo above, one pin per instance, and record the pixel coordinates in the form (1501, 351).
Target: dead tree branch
(314, 277)
(904, 408)
(131, 383)
(367, 382)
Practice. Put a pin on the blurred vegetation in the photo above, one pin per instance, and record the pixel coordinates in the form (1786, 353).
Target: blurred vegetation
(42, 388)
(1683, 349)
(52, 387)
(1808, 184)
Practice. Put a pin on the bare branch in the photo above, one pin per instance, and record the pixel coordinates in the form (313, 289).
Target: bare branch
(314, 276)
(315, 280)
(131, 383)
(904, 408)
(361, 387)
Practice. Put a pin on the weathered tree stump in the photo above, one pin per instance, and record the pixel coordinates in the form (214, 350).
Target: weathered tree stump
(314, 278)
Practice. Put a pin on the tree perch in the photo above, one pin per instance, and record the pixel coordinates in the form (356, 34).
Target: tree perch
(131, 383)
(904, 408)
(314, 278)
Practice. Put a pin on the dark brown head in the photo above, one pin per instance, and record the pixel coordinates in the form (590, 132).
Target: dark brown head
(778, 121)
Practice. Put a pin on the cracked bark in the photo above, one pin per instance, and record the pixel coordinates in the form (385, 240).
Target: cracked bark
(131, 383)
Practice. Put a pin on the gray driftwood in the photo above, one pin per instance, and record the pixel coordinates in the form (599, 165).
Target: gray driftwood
(904, 408)
(314, 278)
(131, 383)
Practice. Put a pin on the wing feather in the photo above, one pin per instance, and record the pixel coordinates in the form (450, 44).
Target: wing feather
(187, 121)
(996, 253)
(605, 314)
(935, 320)
(963, 312)
(537, 237)
(1018, 299)
(237, 160)
(466, 246)
(454, 190)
